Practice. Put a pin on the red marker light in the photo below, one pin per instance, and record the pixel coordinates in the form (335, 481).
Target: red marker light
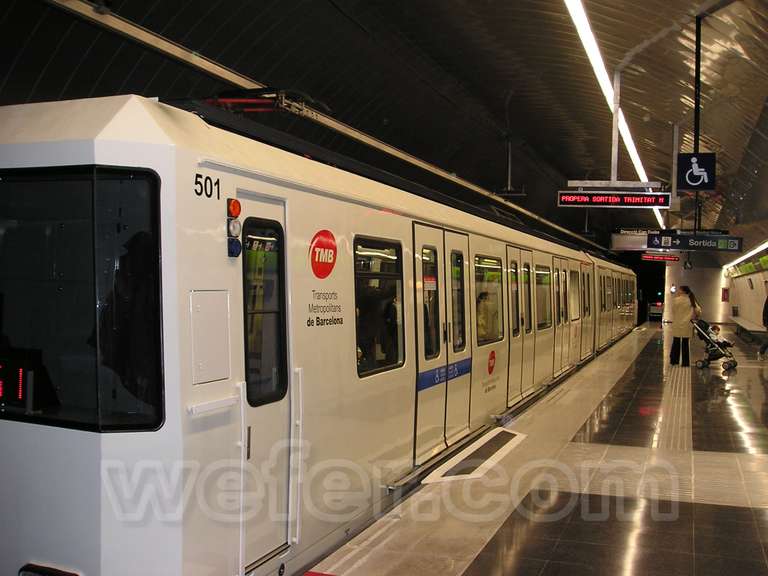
(21, 383)
(233, 207)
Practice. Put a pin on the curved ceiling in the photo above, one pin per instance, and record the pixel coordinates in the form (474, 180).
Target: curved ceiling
(447, 81)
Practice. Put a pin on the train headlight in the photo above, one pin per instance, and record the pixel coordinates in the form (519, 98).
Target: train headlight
(234, 228)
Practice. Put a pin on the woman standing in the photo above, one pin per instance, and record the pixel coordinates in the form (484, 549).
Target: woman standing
(684, 309)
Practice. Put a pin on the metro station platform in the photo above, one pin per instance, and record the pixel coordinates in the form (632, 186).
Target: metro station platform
(630, 466)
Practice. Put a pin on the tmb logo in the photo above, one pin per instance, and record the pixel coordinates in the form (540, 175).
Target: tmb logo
(491, 361)
(322, 253)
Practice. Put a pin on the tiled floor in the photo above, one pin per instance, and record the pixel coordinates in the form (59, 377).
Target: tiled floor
(637, 468)
(565, 533)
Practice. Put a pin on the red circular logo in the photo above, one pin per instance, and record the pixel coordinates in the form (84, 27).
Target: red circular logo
(491, 361)
(322, 253)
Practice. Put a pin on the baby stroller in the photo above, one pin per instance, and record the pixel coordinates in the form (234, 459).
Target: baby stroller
(715, 349)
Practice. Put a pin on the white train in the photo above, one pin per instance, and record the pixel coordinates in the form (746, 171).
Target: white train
(217, 355)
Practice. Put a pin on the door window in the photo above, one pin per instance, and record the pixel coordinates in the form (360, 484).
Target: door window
(514, 303)
(527, 294)
(565, 295)
(575, 295)
(543, 297)
(264, 293)
(490, 327)
(557, 293)
(430, 294)
(457, 301)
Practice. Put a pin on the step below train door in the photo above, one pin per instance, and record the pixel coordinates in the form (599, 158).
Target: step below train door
(431, 329)
(458, 302)
(266, 402)
(516, 320)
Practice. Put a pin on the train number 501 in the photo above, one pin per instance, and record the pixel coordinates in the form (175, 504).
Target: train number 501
(205, 185)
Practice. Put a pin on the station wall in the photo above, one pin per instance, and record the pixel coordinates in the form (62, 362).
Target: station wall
(706, 283)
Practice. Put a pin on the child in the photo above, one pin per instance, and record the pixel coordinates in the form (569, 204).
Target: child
(714, 334)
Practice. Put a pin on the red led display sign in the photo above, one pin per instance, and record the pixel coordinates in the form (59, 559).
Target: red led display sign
(612, 200)
(659, 257)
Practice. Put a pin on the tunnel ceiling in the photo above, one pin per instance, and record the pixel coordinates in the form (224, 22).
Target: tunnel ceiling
(448, 81)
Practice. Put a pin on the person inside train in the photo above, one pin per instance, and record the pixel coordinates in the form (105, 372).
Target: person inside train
(684, 309)
(484, 320)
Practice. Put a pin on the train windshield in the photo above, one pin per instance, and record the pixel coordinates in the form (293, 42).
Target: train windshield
(80, 342)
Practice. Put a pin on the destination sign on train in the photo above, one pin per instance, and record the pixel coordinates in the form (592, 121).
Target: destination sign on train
(573, 199)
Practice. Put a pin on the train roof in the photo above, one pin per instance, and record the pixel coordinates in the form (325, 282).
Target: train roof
(148, 121)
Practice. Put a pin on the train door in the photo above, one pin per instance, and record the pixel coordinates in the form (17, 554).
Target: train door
(587, 319)
(431, 338)
(565, 323)
(527, 334)
(558, 319)
(543, 321)
(491, 349)
(266, 406)
(516, 321)
(575, 289)
(459, 370)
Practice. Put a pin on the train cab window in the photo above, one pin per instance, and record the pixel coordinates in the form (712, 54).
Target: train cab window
(557, 295)
(80, 320)
(430, 293)
(514, 303)
(543, 297)
(458, 329)
(489, 307)
(264, 293)
(575, 295)
(378, 305)
(527, 296)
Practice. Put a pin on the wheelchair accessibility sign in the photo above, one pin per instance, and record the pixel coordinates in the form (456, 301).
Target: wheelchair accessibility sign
(696, 171)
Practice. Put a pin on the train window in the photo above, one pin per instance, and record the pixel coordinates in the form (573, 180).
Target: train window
(430, 293)
(557, 294)
(527, 295)
(575, 295)
(490, 326)
(264, 294)
(514, 303)
(378, 306)
(457, 295)
(80, 322)
(543, 297)
(588, 299)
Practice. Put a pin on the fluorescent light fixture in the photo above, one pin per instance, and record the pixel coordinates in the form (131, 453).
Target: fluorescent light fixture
(749, 254)
(580, 20)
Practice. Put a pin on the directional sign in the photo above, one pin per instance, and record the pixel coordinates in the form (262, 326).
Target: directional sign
(611, 199)
(690, 242)
(659, 257)
(696, 171)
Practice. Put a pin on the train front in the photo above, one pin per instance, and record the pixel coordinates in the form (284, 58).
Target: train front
(82, 380)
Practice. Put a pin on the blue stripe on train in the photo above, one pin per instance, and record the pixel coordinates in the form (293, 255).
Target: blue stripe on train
(438, 375)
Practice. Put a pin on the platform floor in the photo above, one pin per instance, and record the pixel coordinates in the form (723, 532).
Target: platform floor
(631, 466)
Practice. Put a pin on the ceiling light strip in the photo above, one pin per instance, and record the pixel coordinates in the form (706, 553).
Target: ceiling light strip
(588, 41)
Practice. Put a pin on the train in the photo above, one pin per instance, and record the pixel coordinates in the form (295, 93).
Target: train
(218, 356)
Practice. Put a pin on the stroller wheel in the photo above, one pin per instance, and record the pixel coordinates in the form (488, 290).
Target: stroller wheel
(729, 364)
(701, 364)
